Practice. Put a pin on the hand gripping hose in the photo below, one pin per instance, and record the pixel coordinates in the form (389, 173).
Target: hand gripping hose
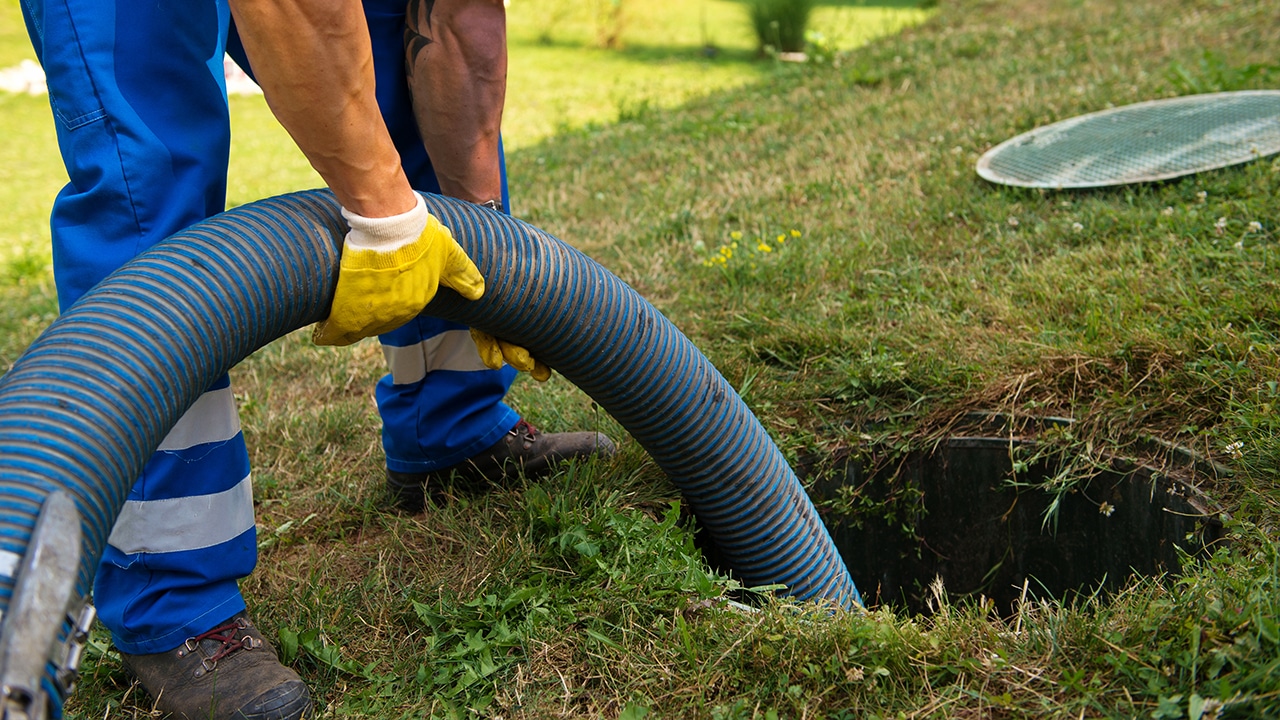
(95, 394)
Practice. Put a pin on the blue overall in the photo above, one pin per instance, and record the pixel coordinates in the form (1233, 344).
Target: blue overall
(139, 100)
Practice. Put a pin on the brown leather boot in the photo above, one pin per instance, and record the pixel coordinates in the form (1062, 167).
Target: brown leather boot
(522, 449)
(227, 673)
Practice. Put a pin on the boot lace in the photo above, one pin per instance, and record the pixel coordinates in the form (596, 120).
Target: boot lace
(525, 428)
(229, 642)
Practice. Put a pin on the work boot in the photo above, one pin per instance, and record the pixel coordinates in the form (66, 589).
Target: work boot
(522, 449)
(228, 673)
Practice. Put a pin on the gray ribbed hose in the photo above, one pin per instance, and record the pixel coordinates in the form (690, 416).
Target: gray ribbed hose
(92, 398)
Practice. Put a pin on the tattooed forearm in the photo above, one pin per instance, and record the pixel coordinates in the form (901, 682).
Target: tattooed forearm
(457, 71)
(417, 30)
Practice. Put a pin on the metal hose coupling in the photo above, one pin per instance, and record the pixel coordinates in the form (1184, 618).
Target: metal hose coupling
(44, 631)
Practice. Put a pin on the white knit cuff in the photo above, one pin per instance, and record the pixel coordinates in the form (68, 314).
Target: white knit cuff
(386, 234)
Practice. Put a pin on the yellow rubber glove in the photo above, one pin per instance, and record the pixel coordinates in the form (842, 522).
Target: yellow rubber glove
(390, 269)
(494, 352)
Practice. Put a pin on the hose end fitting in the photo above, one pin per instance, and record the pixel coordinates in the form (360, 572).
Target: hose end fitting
(37, 671)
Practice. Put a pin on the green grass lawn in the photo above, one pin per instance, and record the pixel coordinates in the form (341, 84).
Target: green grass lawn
(905, 294)
(561, 77)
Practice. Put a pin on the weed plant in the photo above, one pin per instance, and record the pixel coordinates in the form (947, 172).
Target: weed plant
(914, 294)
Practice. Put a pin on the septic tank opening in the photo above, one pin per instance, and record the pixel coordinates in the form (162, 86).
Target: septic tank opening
(1009, 518)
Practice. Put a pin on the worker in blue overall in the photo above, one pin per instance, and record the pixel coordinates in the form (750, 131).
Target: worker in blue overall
(139, 100)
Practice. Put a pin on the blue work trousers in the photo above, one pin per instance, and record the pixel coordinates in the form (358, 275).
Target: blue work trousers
(139, 102)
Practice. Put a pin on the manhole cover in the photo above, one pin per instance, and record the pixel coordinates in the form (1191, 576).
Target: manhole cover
(1143, 142)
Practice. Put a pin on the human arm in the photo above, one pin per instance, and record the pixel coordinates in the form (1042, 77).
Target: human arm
(314, 63)
(456, 62)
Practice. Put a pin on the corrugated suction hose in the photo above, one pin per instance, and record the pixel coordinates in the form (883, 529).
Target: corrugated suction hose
(92, 398)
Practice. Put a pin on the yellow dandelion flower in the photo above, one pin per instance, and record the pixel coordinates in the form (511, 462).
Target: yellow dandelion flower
(795, 233)
(782, 238)
(736, 235)
(764, 247)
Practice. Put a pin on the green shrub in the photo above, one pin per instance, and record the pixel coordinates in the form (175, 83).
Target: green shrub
(780, 24)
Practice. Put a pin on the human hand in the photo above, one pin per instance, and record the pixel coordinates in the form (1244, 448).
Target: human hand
(494, 352)
(390, 269)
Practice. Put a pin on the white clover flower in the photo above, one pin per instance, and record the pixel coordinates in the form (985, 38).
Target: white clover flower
(1013, 221)
(1077, 226)
(1167, 211)
(1255, 226)
(1235, 449)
